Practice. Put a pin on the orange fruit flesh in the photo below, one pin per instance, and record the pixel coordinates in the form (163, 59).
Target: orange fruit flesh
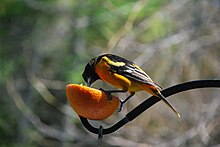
(91, 103)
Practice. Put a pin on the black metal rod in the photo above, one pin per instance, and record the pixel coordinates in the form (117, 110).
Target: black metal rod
(151, 101)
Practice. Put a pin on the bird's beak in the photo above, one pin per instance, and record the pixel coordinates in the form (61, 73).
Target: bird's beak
(88, 82)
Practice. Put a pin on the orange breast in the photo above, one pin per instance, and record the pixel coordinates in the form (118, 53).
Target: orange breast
(90, 103)
(121, 82)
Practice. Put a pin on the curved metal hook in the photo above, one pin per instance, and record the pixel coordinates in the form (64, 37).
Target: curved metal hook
(151, 101)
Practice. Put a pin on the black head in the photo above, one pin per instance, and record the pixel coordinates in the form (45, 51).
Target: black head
(89, 74)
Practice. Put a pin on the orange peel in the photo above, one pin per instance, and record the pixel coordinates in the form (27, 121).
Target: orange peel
(91, 103)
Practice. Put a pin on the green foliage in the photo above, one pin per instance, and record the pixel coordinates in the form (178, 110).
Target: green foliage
(158, 28)
(8, 130)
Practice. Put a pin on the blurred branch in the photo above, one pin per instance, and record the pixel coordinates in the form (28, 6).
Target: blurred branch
(210, 111)
(40, 5)
(29, 115)
(120, 141)
(48, 7)
(53, 84)
(128, 24)
(149, 50)
(41, 87)
(203, 129)
(46, 94)
(181, 139)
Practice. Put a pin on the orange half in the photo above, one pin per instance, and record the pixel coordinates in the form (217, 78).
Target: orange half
(91, 103)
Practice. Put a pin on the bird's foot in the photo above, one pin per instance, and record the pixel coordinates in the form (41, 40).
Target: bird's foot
(120, 105)
(108, 93)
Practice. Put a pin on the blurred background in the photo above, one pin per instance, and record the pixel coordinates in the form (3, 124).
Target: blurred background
(45, 44)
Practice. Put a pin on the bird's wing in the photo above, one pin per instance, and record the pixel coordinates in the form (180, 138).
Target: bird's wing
(129, 70)
(133, 72)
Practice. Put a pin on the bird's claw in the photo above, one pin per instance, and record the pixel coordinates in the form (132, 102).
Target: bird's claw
(108, 93)
(120, 105)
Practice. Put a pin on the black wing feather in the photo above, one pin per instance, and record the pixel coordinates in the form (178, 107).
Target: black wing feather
(132, 72)
(129, 70)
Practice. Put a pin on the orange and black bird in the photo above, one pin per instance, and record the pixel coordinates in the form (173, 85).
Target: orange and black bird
(123, 74)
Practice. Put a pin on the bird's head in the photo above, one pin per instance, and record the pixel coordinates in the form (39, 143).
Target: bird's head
(89, 74)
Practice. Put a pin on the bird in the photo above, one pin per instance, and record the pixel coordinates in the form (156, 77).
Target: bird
(124, 75)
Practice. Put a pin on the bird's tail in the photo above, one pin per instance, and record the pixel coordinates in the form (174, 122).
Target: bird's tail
(155, 90)
(167, 103)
